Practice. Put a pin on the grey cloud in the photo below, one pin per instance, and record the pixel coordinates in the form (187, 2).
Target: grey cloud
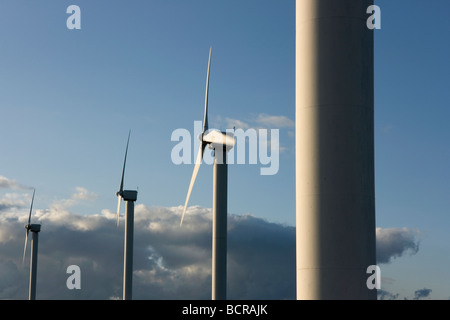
(395, 242)
(169, 262)
(421, 294)
(386, 295)
(418, 294)
(12, 201)
(6, 207)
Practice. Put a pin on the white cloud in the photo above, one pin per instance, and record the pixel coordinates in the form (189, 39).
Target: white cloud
(387, 128)
(235, 123)
(259, 121)
(84, 194)
(265, 122)
(271, 121)
(59, 212)
(6, 183)
(12, 201)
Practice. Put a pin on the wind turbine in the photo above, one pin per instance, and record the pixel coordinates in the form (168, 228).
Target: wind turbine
(35, 229)
(130, 196)
(221, 143)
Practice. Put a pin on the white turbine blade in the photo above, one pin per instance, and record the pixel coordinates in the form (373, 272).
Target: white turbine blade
(205, 120)
(119, 199)
(119, 193)
(31, 207)
(124, 163)
(25, 247)
(28, 228)
(194, 176)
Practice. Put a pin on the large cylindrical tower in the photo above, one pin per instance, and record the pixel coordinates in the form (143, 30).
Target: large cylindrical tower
(335, 192)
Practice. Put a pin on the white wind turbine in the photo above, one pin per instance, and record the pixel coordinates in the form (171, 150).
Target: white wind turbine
(130, 196)
(221, 143)
(35, 229)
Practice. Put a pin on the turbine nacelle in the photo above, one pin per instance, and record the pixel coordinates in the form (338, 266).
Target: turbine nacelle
(218, 140)
(129, 195)
(33, 227)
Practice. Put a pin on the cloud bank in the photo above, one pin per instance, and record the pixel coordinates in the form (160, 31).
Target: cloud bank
(169, 262)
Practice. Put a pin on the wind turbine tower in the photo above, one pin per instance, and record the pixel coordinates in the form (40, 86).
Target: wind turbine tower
(130, 196)
(335, 193)
(35, 229)
(221, 143)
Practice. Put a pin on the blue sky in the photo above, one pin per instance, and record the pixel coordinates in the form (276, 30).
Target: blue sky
(69, 98)
(412, 136)
(143, 67)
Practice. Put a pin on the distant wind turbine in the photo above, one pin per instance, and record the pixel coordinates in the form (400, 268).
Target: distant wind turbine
(130, 196)
(35, 229)
(221, 143)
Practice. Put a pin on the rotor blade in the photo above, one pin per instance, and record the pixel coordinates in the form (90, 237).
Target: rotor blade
(124, 163)
(203, 146)
(25, 247)
(31, 207)
(194, 175)
(205, 120)
(119, 197)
